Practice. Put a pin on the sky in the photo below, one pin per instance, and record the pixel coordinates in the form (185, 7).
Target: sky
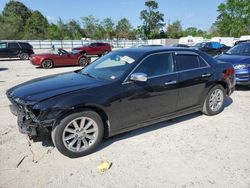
(191, 13)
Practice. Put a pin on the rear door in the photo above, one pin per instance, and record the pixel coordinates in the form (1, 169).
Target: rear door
(144, 101)
(14, 49)
(194, 75)
(3, 50)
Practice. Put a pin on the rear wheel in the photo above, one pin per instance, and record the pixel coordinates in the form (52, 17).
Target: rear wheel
(24, 56)
(214, 103)
(78, 134)
(47, 64)
(106, 52)
(83, 61)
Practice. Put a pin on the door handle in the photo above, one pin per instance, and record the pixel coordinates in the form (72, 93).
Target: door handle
(206, 75)
(170, 83)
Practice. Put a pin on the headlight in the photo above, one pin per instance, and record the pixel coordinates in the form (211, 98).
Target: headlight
(241, 66)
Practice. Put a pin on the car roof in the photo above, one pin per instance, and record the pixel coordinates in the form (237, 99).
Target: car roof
(148, 50)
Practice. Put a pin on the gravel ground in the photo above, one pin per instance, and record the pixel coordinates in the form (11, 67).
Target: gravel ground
(190, 151)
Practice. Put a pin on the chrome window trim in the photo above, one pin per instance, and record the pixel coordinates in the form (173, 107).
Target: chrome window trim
(126, 81)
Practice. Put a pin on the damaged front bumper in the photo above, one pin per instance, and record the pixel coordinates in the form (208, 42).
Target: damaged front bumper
(29, 122)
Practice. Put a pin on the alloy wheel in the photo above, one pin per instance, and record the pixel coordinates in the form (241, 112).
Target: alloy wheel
(216, 100)
(80, 134)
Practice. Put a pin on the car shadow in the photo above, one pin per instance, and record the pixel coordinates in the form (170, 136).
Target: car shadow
(109, 141)
(14, 59)
(242, 88)
(47, 141)
(228, 102)
(3, 69)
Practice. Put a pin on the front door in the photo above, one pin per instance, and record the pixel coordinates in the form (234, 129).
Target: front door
(157, 97)
(3, 50)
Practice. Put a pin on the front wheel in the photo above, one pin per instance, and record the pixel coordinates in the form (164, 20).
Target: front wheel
(214, 102)
(78, 134)
(47, 64)
(84, 61)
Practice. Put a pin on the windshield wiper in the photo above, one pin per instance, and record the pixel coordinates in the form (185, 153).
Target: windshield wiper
(89, 75)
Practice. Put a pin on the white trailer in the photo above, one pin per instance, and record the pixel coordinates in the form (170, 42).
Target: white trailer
(229, 41)
(190, 40)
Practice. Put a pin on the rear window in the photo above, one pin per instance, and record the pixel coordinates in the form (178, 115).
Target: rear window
(25, 45)
(188, 62)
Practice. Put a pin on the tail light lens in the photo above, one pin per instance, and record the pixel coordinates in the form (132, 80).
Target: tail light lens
(228, 72)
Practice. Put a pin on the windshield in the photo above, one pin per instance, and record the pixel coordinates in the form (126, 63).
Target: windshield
(111, 66)
(240, 49)
(200, 45)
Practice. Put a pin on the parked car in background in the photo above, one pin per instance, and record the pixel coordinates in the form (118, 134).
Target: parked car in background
(181, 45)
(123, 90)
(240, 41)
(60, 57)
(239, 56)
(96, 48)
(21, 50)
(211, 48)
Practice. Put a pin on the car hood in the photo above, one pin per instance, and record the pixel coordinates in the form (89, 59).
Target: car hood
(233, 59)
(50, 86)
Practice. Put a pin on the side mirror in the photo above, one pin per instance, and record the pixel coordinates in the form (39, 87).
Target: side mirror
(139, 77)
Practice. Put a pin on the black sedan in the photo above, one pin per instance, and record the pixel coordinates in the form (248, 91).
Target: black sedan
(120, 91)
(211, 48)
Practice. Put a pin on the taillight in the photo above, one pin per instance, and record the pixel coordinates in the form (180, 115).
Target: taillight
(228, 72)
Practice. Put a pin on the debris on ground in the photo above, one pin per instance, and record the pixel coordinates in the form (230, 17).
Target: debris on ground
(20, 162)
(104, 166)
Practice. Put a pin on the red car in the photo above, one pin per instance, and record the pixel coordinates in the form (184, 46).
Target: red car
(97, 48)
(60, 57)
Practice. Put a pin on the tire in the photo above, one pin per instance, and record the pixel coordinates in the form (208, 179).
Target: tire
(214, 102)
(24, 56)
(73, 140)
(83, 62)
(106, 52)
(47, 64)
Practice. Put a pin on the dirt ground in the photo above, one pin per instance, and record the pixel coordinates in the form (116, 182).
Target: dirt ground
(191, 151)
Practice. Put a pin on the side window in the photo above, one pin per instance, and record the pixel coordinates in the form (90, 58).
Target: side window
(93, 44)
(157, 64)
(208, 45)
(186, 62)
(13, 45)
(202, 62)
(25, 45)
(3, 45)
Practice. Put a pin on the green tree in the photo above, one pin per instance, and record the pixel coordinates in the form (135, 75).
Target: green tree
(123, 29)
(153, 20)
(36, 26)
(234, 18)
(14, 14)
(74, 29)
(17, 8)
(109, 27)
(9, 29)
(193, 31)
(174, 30)
(90, 26)
(54, 32)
